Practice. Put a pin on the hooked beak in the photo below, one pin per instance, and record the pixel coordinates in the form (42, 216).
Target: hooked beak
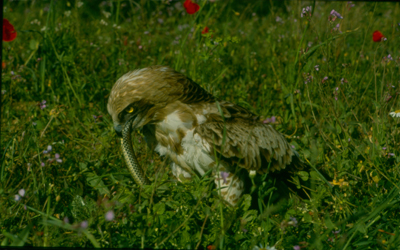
(118, 130)
(136, 123)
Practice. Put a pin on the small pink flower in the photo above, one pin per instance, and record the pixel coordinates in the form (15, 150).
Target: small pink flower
(84, 224)
(58, 159)
(270, 120)
(224, 175)
(336, 14)
(66, 220)
(43, 104)
(110, 215)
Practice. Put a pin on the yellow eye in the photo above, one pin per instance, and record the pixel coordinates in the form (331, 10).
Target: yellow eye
(130, 110)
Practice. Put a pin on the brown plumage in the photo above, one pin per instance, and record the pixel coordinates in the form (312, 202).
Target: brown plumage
(182, 120)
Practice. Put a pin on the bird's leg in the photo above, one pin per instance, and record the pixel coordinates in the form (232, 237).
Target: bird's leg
(230, 186)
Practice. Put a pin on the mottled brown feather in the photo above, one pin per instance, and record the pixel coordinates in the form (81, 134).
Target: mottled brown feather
(249, 143)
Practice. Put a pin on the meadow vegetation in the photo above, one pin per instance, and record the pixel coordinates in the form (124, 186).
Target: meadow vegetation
(315, 74)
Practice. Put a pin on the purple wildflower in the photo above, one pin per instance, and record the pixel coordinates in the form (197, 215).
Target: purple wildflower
(336, 93)
(325, 79)
(42, 164)
(307, 78)
(306, 11)
(66, 220)
(224, 175)
(391, 154)
(337, 28)
(84, 224)
(336, 232)
(43, 104)
(57, 156)
(336, 14)
(384, 148)
(270, 120)
(297, 247)
(316, 67)
(350, 5)
(110, 215)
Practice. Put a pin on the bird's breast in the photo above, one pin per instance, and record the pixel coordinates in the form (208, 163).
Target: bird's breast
(176, 138)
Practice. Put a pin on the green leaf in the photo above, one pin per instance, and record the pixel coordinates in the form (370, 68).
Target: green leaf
(20, 239)
(33, 44)
(362, 228)
(246, 202)
(307, 217)
(159, 208)
(328, 222)
(250, 215)
(314, 175)
(306, 153)
(338, 128)
(39, 125)
(94, 180)
(303, 175)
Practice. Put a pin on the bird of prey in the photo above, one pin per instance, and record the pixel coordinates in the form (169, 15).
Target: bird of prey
(181, 120)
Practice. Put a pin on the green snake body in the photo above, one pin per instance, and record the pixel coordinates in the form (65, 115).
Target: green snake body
(130, 157)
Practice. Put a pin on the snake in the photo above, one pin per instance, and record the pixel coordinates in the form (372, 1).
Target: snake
(130, 158)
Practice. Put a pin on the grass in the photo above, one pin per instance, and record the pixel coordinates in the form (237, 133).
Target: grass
(261, 55)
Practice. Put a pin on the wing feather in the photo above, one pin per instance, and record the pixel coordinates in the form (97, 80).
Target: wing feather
(249, 143)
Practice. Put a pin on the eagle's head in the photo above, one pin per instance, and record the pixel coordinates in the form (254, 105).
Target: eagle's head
(140, 95)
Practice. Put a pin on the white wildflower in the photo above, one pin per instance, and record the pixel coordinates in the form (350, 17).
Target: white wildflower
(103, 22)
(395, 113)
(107, 14)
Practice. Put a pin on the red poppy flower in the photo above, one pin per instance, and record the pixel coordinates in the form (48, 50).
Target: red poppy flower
(9, 33)
(3, 65)
(191, 7)
(205, 30)
(211, 247)
(377, 36)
